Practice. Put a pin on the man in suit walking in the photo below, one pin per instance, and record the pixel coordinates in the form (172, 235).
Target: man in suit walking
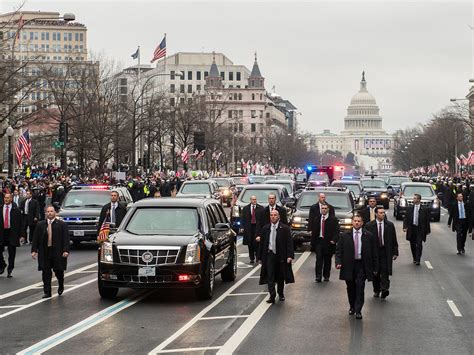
(250, 215)
(30, 215)
(51, 247)
(416, 225)
(315, 210)
(324, 236)
(387, 247)
(368, 212)
(461, 222)
(10, 229)
(17, 199)
(264, 217)
(276, 255)
(114, 210)
(356, 257)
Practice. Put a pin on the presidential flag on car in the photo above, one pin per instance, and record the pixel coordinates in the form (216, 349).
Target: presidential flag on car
(104, 232)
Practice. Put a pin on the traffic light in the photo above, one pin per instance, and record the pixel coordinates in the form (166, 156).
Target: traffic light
(199, 141)
(63, 132)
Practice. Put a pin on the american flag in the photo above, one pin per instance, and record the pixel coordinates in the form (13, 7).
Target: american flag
(185, 155)
(104, 231)
(160, 51)
(23, 147)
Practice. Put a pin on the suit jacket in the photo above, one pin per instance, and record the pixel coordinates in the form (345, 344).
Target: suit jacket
(120, 212)
(247, 221)
(18, 201)
(284, 250)
(365, 213)
(264, 217)
(33, 211)
(423, 222)
(455, 215)
(15, 225)
(331, 234)
(389, 240)
(315, 214)
(345, 251)
(61, 243)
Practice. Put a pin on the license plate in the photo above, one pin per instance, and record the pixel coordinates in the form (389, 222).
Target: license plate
(146, 271)
(78, 233)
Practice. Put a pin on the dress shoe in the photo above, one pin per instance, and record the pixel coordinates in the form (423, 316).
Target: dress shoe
(281, 298)
(463, 251)
(376, 294)
(358, 316)
(9, 275)
(326, 279)
(46, 295)
(414, 261)
(318, 280)
(351, 311)
(417, 263)
(271, 300)
(459, 252)
(252, 261)
(385, 293)
(60, 290)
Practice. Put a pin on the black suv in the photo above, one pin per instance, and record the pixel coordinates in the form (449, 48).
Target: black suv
(169, 243)
(339, 198)
(405, 199)
(356, 187)
(81, 208)
(376, 187)
(394, 183)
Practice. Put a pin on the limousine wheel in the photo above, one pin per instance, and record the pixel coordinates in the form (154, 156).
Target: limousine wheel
(229, 273)
(207, 289)
(106, 292)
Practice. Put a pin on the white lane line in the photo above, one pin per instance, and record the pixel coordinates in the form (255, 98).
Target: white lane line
(254, 277)
(26, 288)
(82, 326)
(45, 299)
(428, 265)
(224, 317)
(185, 350)
(244, 255)
(236, 339)
(454, 309)
(87, 271)
(12, 306)
(248, 294)
(193, 321)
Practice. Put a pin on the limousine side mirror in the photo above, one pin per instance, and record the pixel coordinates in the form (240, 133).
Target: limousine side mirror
(222, 226)
(56, 206)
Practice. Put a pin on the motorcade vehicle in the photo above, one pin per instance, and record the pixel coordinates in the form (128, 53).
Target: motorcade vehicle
(375, 187)
(394, 183)
(226, 189)
(289, 185)
(169, 243)
(300, 181)
(404, 199)
(200, 189)
(257, 179)
(354, 186)
(284, 176)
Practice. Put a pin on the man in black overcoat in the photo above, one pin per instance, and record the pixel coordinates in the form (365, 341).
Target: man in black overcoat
(461, 213)
(315, 210)
(10, 230)
(250, 218)
(276, 255)
(356, 257)
(387, 247)
(114, 211)
(51, 247)
(30, 210)
(416, 225)
(368, 212)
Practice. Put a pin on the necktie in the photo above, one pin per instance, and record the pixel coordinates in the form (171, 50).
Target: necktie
(356, 245)
(27, 204)
(323, 222)
(112, 215)
(380, 234)
(254, 219)
(461, 211)
(415, 216)
(50, 234)
(273, 238)
(372, 214)
(6, 218)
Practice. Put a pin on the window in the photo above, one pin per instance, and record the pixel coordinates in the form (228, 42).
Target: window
(230, 113)
(123, 90)
(231, 76)
(241, 127)
(241, 114)
(76, 37)
(172, 101)
(206, 74)
(267, 115)
(238, 76)
(172, 75)
(222, 75)
(43, 36)
(190, 88)
(69, 35)
(240, 96)
(198, 87)
(172, 88)
(198, 75)
(181, 101)
(253, 127)
(253, 113)
(253, 96)
(31, 36)
(36, 36)
(261, 114)
(181, 88)
(81, 37)
(190, 75)
(260, 125)
(65, 36)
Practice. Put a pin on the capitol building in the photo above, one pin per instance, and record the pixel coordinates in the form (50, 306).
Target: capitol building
(363, 134)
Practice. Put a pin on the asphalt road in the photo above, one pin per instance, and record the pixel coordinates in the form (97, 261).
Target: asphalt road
(429, 310)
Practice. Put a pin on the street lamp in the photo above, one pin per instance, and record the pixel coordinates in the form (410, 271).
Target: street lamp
(10, 133)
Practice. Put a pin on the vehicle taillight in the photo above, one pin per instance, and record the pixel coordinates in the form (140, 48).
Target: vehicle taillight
(184, 278)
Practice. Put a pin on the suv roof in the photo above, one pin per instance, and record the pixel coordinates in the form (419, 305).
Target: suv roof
(346, 182)
(416, 183)
(174, 202)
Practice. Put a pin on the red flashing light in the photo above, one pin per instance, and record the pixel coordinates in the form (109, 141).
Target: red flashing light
(339, 168)
(99, 187)
(184, 278)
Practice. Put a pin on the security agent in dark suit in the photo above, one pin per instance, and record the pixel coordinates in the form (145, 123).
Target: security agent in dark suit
(461, 214)
(114, 210)
(264, 217)
(10, 229)
(416, 224)
(315, 210)
(250, 215)
(276, 255)
(51, 247)
(357, 258)
(387, 247)
(30, 216)
(324, 236)
(368, 212)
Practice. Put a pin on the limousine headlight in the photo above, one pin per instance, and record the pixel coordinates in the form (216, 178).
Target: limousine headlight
(436, 203)
(403, 202)
(106, 253)
(345, 221)
(235, 211)
(297, 219)
(193, 253)
(383, 195)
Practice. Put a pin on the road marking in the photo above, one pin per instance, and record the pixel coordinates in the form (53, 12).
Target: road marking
(242, 265)
(224, 317)
(82, 326)
(248, 294)
(87, 271)
(185, 350)
(244, 255)
(236, 339)
(45, 299)
(428, 265)
(26, 288)
(12, 306)
(193, 321)
(454, 308)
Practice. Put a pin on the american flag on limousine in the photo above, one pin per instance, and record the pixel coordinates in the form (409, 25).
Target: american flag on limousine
(104, 231)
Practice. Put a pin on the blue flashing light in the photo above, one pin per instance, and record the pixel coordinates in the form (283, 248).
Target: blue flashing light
(238, 223)
(309, 168)
(348, 177)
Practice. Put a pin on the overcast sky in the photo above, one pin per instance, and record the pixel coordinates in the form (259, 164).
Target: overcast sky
(416, 55)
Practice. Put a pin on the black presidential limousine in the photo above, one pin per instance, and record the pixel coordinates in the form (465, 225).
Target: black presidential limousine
(169, 243)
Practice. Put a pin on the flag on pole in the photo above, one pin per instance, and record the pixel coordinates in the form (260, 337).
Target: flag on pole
(23, 147)
(136, 54)
(160, 51)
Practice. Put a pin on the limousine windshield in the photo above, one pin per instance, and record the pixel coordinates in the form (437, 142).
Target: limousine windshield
(164, 221)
